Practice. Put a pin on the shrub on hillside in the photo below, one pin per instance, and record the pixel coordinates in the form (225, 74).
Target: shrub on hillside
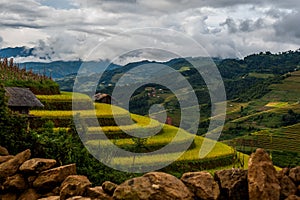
(11, 75)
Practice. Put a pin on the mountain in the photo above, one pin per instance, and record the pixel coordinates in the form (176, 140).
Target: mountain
(238, 75)
(55, 69)
(60, 69)
(16, 52)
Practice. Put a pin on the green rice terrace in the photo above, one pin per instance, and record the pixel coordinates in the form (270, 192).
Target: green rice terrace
(271, 122)
(58, 109)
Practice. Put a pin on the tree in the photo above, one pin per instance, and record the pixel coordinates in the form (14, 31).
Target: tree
(13, 128)
(290, 118)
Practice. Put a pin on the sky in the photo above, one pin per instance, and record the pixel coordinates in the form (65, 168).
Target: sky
(97, 29)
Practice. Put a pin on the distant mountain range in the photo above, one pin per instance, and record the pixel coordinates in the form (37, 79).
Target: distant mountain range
(56, 69)
(16, 52)
(238, 74)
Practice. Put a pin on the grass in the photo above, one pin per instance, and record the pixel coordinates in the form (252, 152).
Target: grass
(219, 149)
(241, 156)
(167, 135)
(287, 91)
(279, 139)
(144, 121)
(142, 124)
(261, 75)
(101, 111)
(64, 96)
(233, 107)
(277, 104)
(183, 69)
(189, 155)
(265, 115)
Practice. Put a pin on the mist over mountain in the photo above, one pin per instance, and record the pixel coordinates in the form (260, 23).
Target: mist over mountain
(55, 69)
(16, 52)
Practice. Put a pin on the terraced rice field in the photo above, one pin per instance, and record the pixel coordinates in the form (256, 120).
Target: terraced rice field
(64, 96)
(282, 139)
(101, 111)
(117, 135)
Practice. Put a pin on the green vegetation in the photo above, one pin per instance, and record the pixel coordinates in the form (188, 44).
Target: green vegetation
(260, 75)
(101, 111)
(271, 122)
(54, 136)
(12, 76)
(263, 111)
(64, 96)
(119, 137)
(13, 127)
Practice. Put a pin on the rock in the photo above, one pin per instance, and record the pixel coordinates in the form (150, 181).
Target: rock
(37, 165)
(3, 151)
(29, 194)
(74, 186)
(295, 174)
(79, 198)
(10, 167)
(5, 158)
(51, 178)
(56, 191)
(9, 196)
(292, 197)
(30, 180)
(153, 185)
(51, 198)
(285, 171)
(233, 184)
(262, 180)
(16, 182)
(201, 184)
(109, 187)
(280, 174)
(287, 187)
(97, 192)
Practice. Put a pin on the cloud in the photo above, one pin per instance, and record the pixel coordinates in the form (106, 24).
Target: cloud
(288, 27)
(276, 13)
(247, 25)
(230, 23)
(58, 4)
(1, 41)
(70, 29)
(250, 25)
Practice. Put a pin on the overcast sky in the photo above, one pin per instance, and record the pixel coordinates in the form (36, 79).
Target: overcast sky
(70, 29)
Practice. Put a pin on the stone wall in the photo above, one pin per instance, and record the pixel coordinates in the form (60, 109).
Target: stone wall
(22, 178)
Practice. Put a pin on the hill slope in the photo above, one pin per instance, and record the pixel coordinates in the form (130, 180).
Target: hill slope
(271, 122)
(221, 155)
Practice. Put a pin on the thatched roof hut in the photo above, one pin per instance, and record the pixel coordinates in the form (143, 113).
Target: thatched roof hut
(21, 99)
(102, 98)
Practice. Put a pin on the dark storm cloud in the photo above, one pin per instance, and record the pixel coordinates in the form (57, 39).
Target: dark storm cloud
(250, 25)
(289, 26)
(20, 25)
(247, 25)
(230, 23)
